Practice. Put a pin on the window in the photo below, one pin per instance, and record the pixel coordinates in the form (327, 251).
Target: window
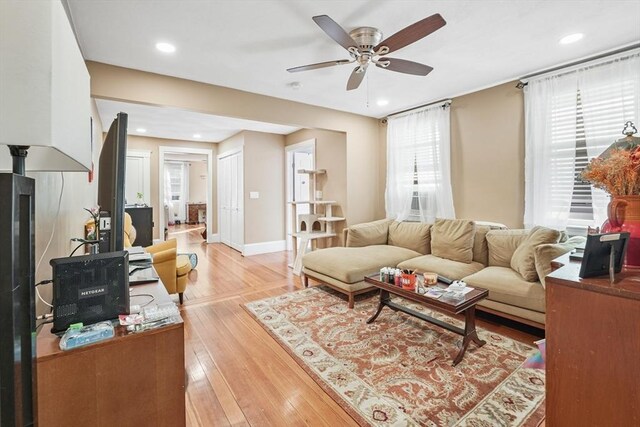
(571, 117)
(418, 181)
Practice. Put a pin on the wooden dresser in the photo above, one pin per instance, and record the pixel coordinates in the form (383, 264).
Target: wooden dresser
(593, 348)
(133, 379)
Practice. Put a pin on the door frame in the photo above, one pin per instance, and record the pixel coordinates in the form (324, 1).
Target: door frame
(228, 153)
(288, 151)
(186, 150)
(145, 155)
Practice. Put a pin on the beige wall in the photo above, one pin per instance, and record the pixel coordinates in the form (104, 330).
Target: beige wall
(78, 194)
(362, 150)
(264, 172)
(198, 182)
(153, 145)
(331, 150)
(487, 155)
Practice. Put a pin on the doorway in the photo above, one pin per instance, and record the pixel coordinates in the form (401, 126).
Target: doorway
(299, 156)
(231, 199)
(185, 180)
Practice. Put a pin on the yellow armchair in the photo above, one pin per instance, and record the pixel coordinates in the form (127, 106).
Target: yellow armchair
(171, 267)
(129, 231)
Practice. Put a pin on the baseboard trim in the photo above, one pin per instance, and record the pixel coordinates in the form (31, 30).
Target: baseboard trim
(214, 238)
(264, 247)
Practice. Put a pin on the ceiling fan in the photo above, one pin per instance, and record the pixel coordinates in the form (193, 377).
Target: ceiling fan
(365, 47)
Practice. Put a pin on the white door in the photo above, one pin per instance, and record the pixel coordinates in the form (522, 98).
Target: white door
(237, 217)
(223, 195)
(179, 189)
(138, 178)
(230, 191)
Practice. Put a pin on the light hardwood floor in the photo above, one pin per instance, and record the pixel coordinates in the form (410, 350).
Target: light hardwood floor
(237, 374)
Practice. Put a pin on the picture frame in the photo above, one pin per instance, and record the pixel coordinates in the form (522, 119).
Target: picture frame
(600, 251)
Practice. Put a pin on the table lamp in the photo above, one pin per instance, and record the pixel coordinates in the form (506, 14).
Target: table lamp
(45, 122)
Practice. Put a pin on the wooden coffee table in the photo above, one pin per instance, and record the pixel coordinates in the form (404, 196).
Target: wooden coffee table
(466, 305)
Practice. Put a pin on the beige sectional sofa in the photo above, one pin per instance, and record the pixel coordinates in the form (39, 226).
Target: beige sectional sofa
(511, 264)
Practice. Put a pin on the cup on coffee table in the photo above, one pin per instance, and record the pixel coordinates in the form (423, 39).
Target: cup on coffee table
(430, 279)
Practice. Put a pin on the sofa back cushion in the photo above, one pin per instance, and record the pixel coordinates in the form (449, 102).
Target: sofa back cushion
(502, 244)
(369, 233)
(523, 260)
(480, 246)
(411, 235)
(453, 239)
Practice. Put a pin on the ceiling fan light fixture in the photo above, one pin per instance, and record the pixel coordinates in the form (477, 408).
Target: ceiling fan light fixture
(571, 38)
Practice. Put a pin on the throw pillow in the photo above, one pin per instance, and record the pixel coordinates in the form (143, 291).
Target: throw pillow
(546, 253)
(369, 233)
(453, 239)
(502, 244)
(411, 235)
(523, 260)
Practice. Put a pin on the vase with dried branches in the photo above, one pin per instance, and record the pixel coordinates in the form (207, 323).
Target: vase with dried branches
(617, 171)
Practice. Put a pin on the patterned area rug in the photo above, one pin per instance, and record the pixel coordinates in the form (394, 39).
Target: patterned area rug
(397, 371)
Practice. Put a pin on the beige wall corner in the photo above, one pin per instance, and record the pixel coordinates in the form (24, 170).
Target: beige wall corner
(331, 154)
(362, 151)
(487, 155)
(78, 193)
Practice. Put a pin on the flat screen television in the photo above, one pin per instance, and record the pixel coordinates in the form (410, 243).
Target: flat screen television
(111, 175)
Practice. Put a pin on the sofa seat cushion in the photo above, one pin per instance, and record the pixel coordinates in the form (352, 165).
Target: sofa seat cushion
(350, 265)
(454, 270)
(509, 287)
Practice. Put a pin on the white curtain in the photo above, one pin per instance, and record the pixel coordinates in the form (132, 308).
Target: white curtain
(610, 97)
(550, 149)
(605, 95)
(418, 165)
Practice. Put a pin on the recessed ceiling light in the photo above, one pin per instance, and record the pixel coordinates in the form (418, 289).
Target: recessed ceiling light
(382, 102)
(197, 135)
(571, 38)
(165, 47)
(141, 130)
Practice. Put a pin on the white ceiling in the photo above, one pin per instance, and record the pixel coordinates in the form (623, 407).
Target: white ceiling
(249, 44)
(173, 123)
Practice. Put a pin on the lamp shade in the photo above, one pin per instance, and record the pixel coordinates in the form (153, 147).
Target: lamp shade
(44, 88)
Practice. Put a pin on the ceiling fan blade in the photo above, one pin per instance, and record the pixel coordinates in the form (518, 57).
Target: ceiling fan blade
(318, 65)
(412, 33)
(356, 77)
(404, 66)
(335, 31)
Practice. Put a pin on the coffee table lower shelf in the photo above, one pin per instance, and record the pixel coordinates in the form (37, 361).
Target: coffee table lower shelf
(466, 306)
